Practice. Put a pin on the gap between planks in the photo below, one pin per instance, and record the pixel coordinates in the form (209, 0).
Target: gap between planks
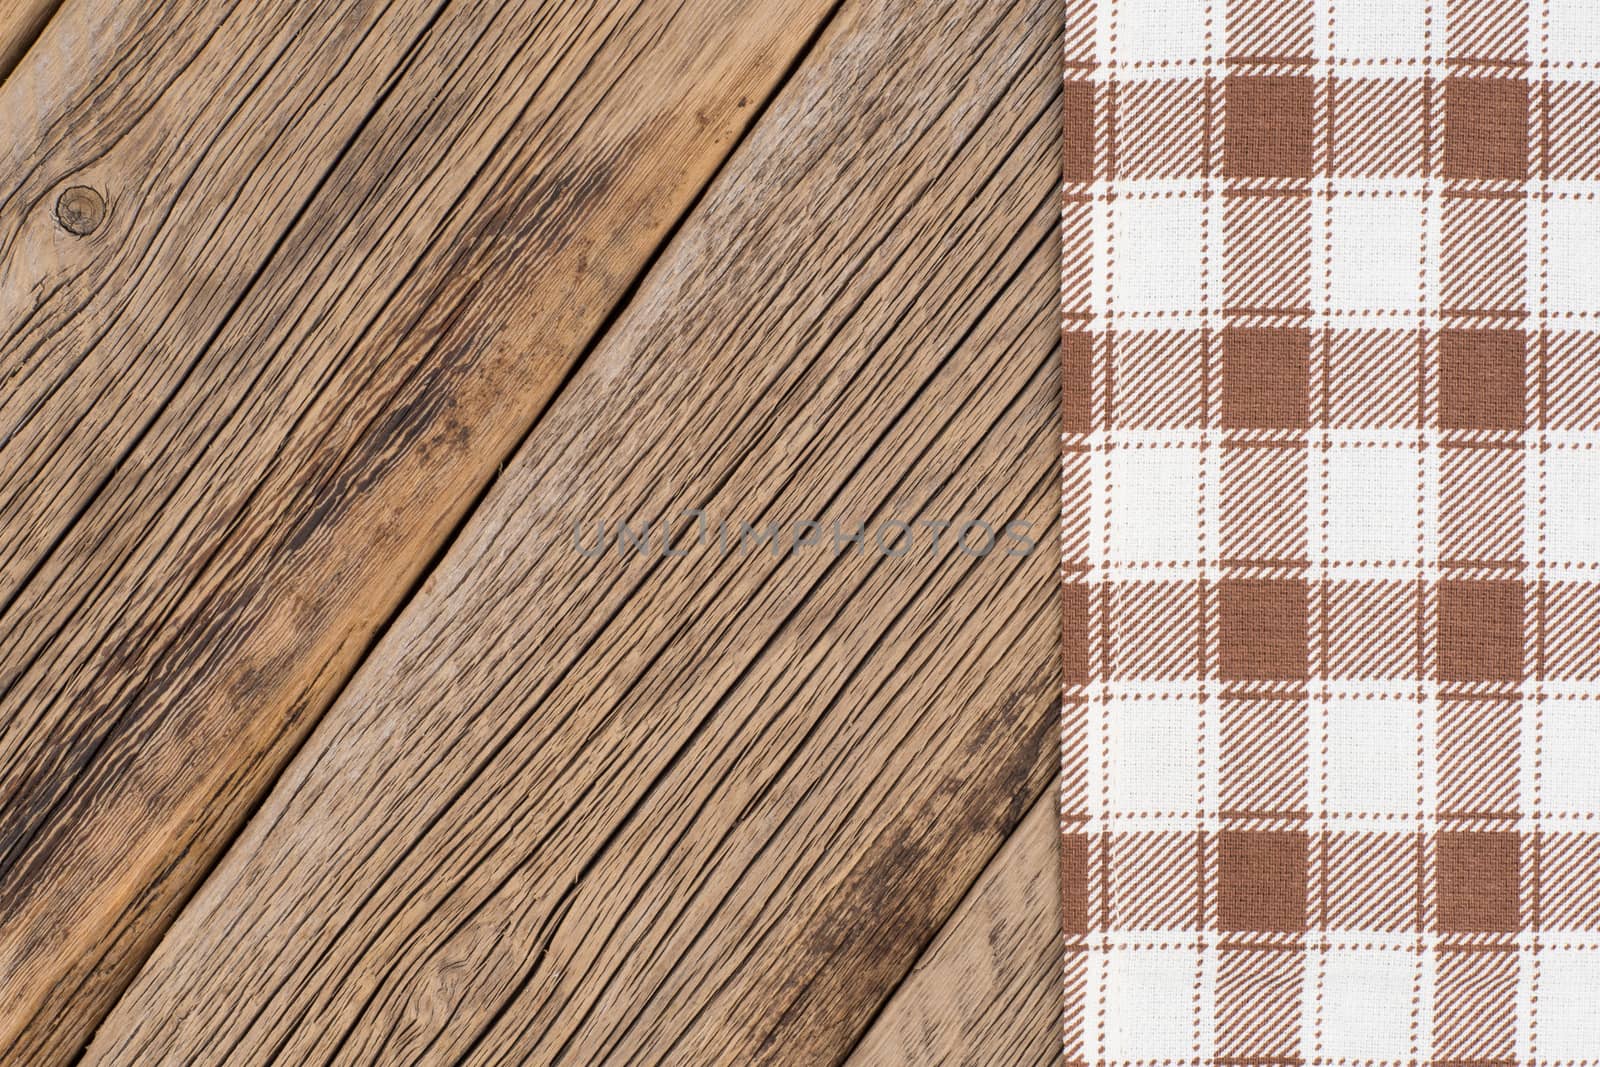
(21, 22)
(988, 989)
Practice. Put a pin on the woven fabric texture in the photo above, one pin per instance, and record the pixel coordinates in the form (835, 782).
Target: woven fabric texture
(1331, 532)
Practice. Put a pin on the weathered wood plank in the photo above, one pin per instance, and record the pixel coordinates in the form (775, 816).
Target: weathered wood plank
(352, 247)
(700, 810)
(988, 990)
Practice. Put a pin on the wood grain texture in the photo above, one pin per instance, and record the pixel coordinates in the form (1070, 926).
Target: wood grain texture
(700, 810)
(352, 248)
(988, 990)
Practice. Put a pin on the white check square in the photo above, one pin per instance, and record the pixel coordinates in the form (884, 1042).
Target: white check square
(1156, 31)
(1371, 757)
(1366, 1002)
(1570, 758)
(1382, 30)
(1372, 503)
(1573, 234)
(1158, 262)
(1155, 504)
(1150, 1013)
(1377, 253)
(1568, 1024)
(1154, 755)
(1574, 31)
(1572, 505)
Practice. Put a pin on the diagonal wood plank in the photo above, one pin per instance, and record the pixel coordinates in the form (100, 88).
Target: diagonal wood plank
(350, 249)
(988, 990)
(20, 23)
(704, 809)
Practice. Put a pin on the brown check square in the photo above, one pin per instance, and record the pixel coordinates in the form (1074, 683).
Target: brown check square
(1262, 630)
(1261, 880)
(1265, 377)
(1486, 128)
(1269, 126)
(1478, 880)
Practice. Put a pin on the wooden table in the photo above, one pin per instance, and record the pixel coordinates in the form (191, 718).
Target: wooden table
(325, 322)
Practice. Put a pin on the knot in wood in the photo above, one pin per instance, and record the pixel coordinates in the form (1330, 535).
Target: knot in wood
(80, 210)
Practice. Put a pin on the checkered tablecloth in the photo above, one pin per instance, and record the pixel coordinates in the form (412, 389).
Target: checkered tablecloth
(1331, 532)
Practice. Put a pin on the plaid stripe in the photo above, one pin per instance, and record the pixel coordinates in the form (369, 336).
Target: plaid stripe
(1331, 532)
